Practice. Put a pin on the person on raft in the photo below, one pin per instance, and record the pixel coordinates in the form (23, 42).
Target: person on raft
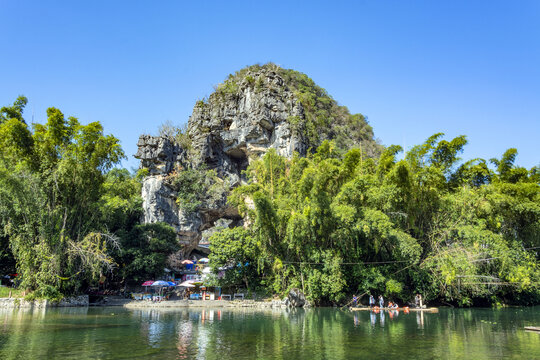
(418, 300)
(371, 301)
(381, 301)
(355, 301)
(391, 305)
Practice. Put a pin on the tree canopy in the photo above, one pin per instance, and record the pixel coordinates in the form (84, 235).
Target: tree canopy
(332, 223)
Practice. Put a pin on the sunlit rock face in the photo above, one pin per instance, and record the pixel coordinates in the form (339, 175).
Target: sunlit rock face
(225, 133)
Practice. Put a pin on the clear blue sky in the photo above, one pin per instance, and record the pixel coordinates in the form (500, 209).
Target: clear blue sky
(412, 67)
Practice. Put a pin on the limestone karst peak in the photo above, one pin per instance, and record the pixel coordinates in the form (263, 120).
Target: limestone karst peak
(257, 108)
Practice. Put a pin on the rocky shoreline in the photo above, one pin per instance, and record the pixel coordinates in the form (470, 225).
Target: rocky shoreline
(206, 304)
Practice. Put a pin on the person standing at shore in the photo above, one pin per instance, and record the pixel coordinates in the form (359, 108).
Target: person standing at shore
(381, 301)
(371, 301)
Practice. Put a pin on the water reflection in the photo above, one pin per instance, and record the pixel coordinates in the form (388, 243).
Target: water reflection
(79, 333)
(373, 318)
(420, 319)
(185, 336)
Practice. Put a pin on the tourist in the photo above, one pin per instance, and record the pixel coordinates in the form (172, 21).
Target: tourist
(355, 301)
(381, 301)
(371, 301)
(418, 301)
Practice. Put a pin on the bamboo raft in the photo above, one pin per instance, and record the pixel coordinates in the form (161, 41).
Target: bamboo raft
(532, 328)
(429, 310)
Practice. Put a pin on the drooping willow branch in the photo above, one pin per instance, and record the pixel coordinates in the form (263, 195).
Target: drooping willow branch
(92, 252)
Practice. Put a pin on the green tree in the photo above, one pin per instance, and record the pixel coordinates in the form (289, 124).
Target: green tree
(145, 251)
(50, 180)
(14, 111)
(236, 251)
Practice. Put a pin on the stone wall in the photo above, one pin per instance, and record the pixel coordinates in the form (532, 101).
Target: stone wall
(21, 303)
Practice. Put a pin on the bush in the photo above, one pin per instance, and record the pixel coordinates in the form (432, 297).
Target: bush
(250, 80)
(46, 292)
(393, 287)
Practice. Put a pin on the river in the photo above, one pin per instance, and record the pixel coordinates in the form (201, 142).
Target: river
(321, 333)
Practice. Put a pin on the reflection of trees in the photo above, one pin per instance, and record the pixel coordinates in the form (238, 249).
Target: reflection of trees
(264, 334)
(331, 334)
(25, 331)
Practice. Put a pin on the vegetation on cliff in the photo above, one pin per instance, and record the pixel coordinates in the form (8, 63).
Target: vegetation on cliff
(332, 224)
(197, 187)
(324, 118)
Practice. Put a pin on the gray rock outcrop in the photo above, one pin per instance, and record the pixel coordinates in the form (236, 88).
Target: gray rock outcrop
(295, 298)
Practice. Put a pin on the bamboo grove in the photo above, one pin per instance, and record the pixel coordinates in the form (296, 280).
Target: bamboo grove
(336, 224)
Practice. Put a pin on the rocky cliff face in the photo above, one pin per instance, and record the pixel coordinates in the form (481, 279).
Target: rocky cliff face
(224, 133)
(246, 116)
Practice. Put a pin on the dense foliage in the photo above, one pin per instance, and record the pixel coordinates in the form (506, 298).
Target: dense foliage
(335, 224)
(65, 219)
(236, 251)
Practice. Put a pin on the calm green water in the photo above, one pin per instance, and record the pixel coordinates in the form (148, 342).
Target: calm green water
(118, 333)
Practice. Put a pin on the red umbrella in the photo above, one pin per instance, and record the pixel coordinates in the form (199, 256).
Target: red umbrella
(146, 284)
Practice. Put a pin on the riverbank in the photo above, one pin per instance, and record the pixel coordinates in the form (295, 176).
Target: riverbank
(83, 301)
(137, 304)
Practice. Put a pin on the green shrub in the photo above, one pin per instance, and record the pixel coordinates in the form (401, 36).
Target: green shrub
(393, 287)
(46, 292)
(250, 80)
(197, 187)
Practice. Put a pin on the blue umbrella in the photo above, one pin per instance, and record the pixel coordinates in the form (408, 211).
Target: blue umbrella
(171, 283)
(162, 284)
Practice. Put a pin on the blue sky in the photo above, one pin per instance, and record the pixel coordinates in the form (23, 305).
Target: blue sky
(413, 68)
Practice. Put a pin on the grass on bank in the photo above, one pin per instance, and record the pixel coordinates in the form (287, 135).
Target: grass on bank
(15, 293)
